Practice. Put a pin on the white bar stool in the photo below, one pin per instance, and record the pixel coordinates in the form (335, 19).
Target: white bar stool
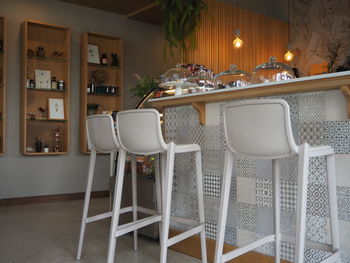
(262, 129)
(102, 138)
(139, 132)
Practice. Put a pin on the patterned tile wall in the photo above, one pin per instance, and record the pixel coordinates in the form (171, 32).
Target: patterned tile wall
(250, 215)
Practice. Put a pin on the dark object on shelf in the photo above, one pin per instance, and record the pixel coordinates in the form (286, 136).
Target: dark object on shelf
(30, 52)
(43, 112)
(92, 108)
(54, 83)
(60, 85)
(31, 115)
(92, 88)
(1, 45)
(296, 72)
(57, 54)
(40, 52)
(345, 66)
(115, 60)
(104, 60)
(38, 145)
(58, 133)
(30, 83)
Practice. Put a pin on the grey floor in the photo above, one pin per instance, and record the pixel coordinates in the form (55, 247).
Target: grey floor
(49, 233)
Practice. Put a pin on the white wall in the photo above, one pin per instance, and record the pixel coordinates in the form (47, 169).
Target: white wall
(32, 176)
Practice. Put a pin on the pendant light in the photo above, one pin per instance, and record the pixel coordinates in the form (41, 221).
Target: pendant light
(237, 42)
(288, 56)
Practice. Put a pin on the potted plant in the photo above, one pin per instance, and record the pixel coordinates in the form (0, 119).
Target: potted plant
(144, 88)
(180, 21)
(92, 108)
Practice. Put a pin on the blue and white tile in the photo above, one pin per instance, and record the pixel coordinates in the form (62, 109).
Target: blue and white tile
(266, 249)
(289, 195)
(246, 217)
(245, 237)
(212, 161)
(263, 169)
(183, 135)
(211, 209)
(288, 222)
(231, 235)
(338, 136)
(197, 135)
(264, 193)
(264, 220)
(313, 133)
(245, 166)
(186, 116)
(288, 251)
(343, 194)
(312, 107)
(212, 138)
(316, 229)
(314, 256)
(289, 169)
(210, 229)
(212, 185)
(246, 190)
(344, 229)
(342, 169)
(317, 200)
(318, 170)
(293, 101)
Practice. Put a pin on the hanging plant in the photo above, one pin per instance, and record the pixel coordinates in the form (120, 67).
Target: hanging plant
(180, 21)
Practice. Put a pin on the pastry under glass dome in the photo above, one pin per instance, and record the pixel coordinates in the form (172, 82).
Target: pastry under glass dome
(272, 71)
(233, 78)
(175, 80)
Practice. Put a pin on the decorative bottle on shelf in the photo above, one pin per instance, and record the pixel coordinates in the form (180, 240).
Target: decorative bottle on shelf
(54, 83)
(38, 145)
(104, 60)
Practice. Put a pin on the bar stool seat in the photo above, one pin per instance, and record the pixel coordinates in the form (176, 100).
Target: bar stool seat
(262, 129)
(139, 133)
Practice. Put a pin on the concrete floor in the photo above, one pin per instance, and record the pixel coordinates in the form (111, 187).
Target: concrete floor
(49, 233)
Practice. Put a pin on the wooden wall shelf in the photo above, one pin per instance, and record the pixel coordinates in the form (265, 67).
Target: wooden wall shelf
(339, 80)
(108, 102)
(54, 39)
(2, 83)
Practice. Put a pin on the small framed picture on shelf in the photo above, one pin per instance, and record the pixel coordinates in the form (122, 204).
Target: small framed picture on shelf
(42, 79)
(93, 55)
(56, 109)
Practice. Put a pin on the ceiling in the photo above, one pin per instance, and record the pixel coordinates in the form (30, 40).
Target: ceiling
(149, 12)
(142, 10)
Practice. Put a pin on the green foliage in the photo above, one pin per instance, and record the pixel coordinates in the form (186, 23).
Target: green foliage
(144, 85)
(180, 21)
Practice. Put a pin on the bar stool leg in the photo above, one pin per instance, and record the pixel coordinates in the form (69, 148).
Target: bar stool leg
(201, 204)
(225, 194)
(158, 192)
(168, 181)
(134, 196)
(86, 201)
(112, 173)
(303, 172)
(332, 195)
(116, 205)
(277, 192)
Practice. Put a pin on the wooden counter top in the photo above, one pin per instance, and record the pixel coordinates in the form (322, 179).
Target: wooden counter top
(339, 80)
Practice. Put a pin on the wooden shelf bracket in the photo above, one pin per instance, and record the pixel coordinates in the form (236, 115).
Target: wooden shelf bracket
(346, 92)
(200, 107)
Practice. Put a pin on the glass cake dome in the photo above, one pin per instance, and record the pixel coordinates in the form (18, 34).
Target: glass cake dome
(233, 78)
(272, 71)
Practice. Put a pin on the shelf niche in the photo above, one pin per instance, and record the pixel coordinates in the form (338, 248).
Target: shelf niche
(107, 102)
(56, 42)
(3, 49)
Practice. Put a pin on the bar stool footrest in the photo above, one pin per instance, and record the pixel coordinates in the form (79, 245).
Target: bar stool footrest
(240, 251)
(106, 215)
(184, 235)
(129, 227)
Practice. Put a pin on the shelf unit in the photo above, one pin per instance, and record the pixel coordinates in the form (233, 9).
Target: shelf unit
(108, 102)
(2, 83)
(55, 39)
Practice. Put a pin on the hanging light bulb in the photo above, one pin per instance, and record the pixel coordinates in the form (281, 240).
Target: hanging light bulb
(237, 42)
(288, 56)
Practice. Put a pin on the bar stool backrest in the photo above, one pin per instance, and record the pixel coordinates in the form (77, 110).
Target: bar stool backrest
(139, 131)
(259, 129)
(101, 134)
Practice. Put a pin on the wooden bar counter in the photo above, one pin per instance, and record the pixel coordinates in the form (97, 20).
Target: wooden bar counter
(339, 80)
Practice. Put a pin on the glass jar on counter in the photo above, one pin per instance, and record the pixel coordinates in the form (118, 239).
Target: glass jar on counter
(233, 78)
(272, 71)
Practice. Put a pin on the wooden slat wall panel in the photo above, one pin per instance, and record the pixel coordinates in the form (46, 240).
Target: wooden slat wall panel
(263, 37)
